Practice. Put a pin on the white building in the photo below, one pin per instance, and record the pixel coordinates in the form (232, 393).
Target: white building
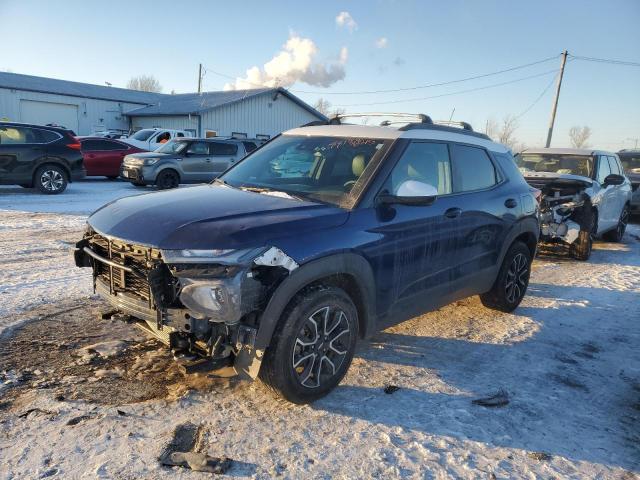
(87, 108)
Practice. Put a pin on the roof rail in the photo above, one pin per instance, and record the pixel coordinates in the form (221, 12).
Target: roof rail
(421, 117)
(449, 123)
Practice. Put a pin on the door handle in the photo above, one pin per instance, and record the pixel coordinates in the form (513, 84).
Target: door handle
(453, 212)
(510, 203)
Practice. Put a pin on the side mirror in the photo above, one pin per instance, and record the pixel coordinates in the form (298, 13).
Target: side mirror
(613, 179)
(411, 193)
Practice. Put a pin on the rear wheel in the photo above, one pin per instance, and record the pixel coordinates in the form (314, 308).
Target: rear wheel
(511, 285)
(313, 345)
(167, 179)
(51, 179)
(617, 234)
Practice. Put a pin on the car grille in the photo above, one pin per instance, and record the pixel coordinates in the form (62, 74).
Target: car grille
(137, 258)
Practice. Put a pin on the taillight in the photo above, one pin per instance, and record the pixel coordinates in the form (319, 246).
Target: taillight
(74, 143)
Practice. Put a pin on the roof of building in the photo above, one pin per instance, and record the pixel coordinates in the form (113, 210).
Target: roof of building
(30, 83)
(565, 151)
(155, 104)
(196, 103)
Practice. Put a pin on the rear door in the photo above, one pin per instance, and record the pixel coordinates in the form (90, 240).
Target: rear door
(223, 154)
(21, 148)
(103, 157)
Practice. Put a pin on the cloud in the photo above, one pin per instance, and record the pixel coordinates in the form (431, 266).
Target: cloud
(399, 61)
(382, 42)
(296, 62)
(344, 19)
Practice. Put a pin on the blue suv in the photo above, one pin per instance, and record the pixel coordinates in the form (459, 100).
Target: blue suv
(324, 235)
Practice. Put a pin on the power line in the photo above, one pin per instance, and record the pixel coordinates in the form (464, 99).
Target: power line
(606, 60)
(451, 93)
(450, 82)
(535, 102)
(405, 89)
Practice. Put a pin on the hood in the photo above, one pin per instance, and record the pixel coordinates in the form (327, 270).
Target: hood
(211, 216)
(546, 178)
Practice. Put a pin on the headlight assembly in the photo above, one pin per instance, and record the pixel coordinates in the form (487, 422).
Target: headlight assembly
(150, 161)
(222, 256)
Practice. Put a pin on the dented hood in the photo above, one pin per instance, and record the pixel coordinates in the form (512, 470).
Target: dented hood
(211, 216)
(561, 179)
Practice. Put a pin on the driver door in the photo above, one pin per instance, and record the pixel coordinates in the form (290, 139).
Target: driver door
(417, 254)
(196, 163)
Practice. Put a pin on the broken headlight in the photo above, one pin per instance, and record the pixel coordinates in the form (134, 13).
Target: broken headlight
(218, 300)
(223, 256)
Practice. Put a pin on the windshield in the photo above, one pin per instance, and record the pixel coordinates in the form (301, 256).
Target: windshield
(143, 135)
(555, 163)
(318, 168)
(173, 146)
(630, 163)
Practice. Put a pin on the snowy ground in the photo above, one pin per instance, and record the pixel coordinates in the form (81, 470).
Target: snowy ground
(568, 360)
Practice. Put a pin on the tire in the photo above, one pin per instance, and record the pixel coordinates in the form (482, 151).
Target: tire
(617, 234)
(513, 278)
(291, 367)
(50, 179)
(582, 247)
(167, 179)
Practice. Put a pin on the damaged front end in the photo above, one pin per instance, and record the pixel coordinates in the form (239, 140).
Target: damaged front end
(566, 210)
(204, 304)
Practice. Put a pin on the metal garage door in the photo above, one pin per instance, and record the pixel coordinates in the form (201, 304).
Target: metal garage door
(41, 113)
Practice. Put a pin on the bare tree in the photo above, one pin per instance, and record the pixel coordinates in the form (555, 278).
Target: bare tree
(145, 83)
(579, 136)
(324, 107)
(504, 132)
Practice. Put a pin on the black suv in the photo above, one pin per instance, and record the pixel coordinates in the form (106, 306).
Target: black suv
(323, 235)
(39, 156)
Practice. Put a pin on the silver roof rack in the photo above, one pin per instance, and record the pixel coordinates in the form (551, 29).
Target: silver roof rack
(420, 117)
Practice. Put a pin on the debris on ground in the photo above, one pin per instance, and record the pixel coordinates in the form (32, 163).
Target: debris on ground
(78, 419)
(540, 456)
(182, 452)
(38, 410)
(499, 399)
(389, 389)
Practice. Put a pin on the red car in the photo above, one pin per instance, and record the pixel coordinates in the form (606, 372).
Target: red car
(103, 156)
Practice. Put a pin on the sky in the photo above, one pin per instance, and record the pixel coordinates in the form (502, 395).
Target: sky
(325, 49)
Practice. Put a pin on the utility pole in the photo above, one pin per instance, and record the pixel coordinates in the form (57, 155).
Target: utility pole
(200, 79)
(555, 100)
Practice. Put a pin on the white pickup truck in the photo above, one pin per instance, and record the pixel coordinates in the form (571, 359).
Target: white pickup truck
(152, 138)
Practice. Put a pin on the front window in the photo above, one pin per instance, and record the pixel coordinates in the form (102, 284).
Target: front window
(172, 147)
(555, 163)
(143, 135)
(631, 164)
(318, 168)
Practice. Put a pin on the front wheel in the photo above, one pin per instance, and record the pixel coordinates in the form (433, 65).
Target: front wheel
(167, 179)
(51, 179)
(511, 285)
(617, 234)
(313, 345)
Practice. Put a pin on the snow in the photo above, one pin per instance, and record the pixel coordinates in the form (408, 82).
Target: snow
(568, 359)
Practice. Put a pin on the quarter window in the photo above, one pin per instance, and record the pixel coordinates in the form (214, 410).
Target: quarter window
(603, 169)
(249, 146)
(472, 169)
(426, 163)
(47, 137)
(220, 148)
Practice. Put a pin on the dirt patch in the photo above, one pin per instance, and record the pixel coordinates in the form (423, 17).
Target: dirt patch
(70, 351)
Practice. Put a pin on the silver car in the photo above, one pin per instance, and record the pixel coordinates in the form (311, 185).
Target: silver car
(185, 160)
(631, 163)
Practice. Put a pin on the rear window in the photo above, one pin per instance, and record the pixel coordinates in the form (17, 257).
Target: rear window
(472, 169)
(47, 137)
(219, 148)
(143, 135)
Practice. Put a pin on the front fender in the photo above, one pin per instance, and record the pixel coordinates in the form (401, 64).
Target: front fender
(248, 361)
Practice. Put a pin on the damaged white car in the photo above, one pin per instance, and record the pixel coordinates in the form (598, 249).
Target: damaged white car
(584, 194)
